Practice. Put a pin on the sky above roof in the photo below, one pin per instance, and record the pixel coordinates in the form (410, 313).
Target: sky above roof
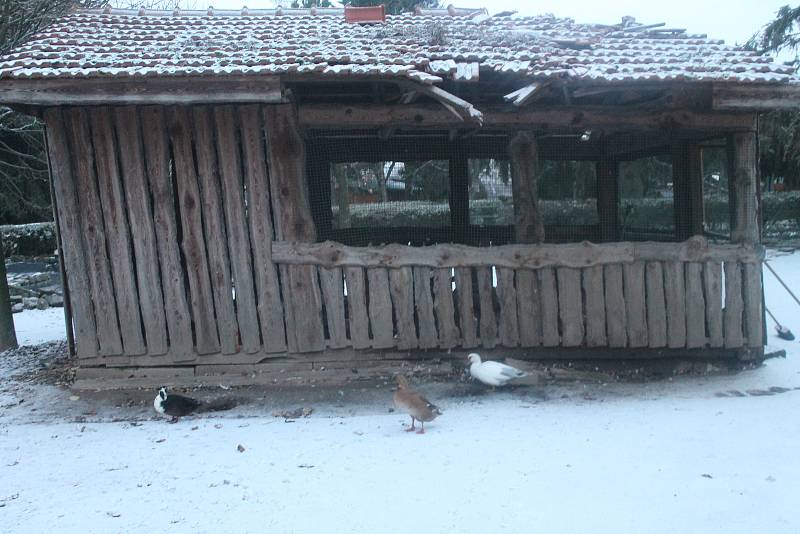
(732, 20)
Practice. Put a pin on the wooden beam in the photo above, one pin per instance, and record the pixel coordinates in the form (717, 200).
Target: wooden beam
(745, 186)
(169, 90)
(523, 152)
(607, 171)
(457, 106)
(755, 97)
(523, 95)
(571, 119)
(332, 254)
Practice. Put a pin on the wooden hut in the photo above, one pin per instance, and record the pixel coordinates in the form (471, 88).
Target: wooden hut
(204, 227)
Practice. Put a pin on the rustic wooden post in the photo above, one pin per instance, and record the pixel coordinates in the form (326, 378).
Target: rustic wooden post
(744, 176)
(746, 229)
(286, 157)
(607, 171)
(687, 182)
(524, 155)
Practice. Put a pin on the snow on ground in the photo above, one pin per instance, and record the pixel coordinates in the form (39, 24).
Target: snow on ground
(40, 326)
(669, 456)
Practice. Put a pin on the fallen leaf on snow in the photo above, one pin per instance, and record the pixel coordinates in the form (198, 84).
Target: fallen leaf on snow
(240, 448)
(162, 440)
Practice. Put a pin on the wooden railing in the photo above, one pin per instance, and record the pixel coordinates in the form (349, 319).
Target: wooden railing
(620, 295)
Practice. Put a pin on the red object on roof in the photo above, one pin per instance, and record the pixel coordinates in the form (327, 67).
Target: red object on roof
(365, 15)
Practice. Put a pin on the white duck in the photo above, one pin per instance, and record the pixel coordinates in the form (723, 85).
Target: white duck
(492, 373)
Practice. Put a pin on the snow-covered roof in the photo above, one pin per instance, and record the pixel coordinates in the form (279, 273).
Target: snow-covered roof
(427, 46)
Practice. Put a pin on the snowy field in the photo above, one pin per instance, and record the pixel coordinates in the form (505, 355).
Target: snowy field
(661, 457)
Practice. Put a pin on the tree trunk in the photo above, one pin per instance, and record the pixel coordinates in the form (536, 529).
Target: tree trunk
(8, 337)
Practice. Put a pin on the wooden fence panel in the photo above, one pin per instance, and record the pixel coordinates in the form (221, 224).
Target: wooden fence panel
(487, 317)
(695, 306)
(380, 309)
(616, 312)
(401, 285)
(176, 308)
(423, 303)
(712, 272)
(238, 236)
(570, 306)
(357, 307)
(333, 295)
(734, 306)
(112, 200)
(216, 235)
(179, 126)
(593, 288)
(93, 229)
(529, 308)
(753, 305)
(259, 214)
(656, 305)
(71, 227)
(142, 228)
(507, 295)
(635, 304)
(550, 305)
(466, 305)
(675, 293)
(445, 311)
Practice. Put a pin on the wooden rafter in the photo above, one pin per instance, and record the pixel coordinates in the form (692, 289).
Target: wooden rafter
(523, 95)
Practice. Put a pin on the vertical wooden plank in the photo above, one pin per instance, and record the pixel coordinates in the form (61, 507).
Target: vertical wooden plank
(570, 306)
(734, 306)
(595, 306)
(238, 237)
(549, 294)
(635, 307)
(616, 312)
(201, 300)
(488, 319)
(529, 308)
(71, 228)
(259, 214)
(286, 157)
(712, 272)
(303, 291)
(675, 294)
(656, 305)
(423, 303)
(140, 216)
(753, 305)
(695, 306)
(333, 295)
(215, 232)
(466, 308)
(118, 237)
(380, 308)
(357, 307)
(157, 164)
(94, 235)
(524, 155)
(401, 285)
(445, 311)
(675, 297)
(507, 295)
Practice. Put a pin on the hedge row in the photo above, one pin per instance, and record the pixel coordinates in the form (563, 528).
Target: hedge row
(35, 239)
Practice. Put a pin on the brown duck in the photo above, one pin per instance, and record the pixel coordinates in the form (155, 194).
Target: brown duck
(414, 404)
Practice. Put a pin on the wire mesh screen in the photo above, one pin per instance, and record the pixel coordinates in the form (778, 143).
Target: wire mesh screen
(647, 199)
(427, 188)
(716, 191)
(390, 194)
